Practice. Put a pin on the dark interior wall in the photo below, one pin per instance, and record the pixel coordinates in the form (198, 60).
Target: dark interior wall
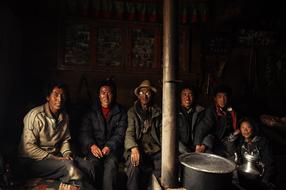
(10, 74)
(27, 52)
(255, 72)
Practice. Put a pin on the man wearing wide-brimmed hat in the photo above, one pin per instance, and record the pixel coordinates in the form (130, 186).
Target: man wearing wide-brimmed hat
(142, 141)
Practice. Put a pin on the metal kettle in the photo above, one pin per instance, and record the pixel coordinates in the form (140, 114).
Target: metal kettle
(251, 168)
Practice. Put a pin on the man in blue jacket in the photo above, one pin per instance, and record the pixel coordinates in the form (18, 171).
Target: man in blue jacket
(102, 135)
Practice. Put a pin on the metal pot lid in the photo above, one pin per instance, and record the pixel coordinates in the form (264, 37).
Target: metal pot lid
(209, 163)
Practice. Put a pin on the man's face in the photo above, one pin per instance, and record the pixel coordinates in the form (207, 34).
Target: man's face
(145, 95)
(246, 129)
(186, 98)
(56, 99)
(105, 96)
(221, 99)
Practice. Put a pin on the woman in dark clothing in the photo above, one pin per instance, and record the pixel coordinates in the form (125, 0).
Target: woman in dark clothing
(254, 158)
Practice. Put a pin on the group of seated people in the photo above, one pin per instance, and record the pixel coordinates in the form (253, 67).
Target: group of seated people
(219, 130)
(107, 132)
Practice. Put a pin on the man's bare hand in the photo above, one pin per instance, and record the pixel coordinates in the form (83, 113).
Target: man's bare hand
(135, 156)
(68, 157)
(96, 151)
(200, 148)
(105, 150)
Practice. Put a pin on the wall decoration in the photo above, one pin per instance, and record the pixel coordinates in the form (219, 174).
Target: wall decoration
(143, 47)
(219, 43)
(251, 37)
(76, 44)
(109, 46)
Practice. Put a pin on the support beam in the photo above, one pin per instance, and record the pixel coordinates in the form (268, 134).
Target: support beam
(169, 169)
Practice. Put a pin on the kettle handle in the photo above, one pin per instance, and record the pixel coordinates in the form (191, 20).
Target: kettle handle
(263, 168)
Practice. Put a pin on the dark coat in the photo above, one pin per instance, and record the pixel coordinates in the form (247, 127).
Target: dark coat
(135, 125)
(110, 133)
(214, 127)
(187, 126)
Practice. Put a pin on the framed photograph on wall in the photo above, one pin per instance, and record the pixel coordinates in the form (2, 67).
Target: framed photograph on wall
(108, 45)
(144, 47)
(75, 45)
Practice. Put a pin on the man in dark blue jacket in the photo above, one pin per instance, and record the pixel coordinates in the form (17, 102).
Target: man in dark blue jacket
(102, 135)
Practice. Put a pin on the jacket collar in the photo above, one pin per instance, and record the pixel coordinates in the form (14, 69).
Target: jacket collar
(196, 108)
(154, 109)
(114, 109)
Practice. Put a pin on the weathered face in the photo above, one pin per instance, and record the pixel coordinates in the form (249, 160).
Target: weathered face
(105, 96)
(186, 98)
(246, 129)
(56, 99)
(221, 99)
(145, 96)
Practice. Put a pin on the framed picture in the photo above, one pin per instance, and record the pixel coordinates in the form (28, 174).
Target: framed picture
(108, 42)
(75, 45)
(144, 47)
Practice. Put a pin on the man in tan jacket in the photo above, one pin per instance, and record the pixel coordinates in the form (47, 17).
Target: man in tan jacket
(44, 148)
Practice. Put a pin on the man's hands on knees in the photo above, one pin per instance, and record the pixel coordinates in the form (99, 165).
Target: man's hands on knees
(95, 150)
(135, 156)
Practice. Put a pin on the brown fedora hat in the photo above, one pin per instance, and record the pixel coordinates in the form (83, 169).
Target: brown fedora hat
(144, 84)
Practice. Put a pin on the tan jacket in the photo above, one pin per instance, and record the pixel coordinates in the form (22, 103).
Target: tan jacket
(42, 137)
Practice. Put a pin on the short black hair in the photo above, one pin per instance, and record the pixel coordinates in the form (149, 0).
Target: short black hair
(51, 85)
(222, 88)
(185, 85)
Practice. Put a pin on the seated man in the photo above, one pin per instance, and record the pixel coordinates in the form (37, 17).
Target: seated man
(102, 135)
(188, 117)
(218, 123)
(44, 148)
(143, 138)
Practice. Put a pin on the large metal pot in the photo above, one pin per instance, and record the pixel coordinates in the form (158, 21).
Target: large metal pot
(203, 171)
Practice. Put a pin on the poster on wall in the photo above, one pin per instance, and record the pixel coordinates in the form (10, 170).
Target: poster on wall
(77, 44)
(109, 46)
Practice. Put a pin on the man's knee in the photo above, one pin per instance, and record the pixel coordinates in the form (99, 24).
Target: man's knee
(111, 165)
(72, 172)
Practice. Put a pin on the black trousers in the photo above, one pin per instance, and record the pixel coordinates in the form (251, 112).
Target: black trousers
(138, 177)
(106, 171)
(76, 172)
